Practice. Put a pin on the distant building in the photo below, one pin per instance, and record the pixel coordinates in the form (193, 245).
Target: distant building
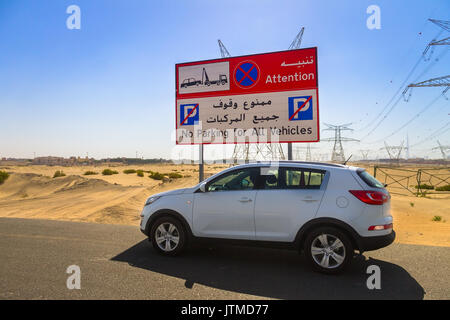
(60, 161)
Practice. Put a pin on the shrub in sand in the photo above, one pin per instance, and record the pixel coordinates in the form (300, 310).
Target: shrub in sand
(59, 173)
(109, 172)
(443, 188)
(156, 176)
(129, 171)
(140, 173)
(424, 186)
(3, 176)
(90, 173)
(175, 175)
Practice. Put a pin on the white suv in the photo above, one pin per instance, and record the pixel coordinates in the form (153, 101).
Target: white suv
(326, 211)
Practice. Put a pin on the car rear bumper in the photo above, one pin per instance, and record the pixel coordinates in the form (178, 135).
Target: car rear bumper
(376, 242)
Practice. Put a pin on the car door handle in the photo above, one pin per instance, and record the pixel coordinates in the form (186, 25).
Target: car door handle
(245, 199)
(310, 200)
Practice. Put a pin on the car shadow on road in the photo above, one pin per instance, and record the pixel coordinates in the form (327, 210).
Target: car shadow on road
(270, 273)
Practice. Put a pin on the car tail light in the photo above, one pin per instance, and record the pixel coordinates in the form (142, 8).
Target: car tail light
(381, 227)
(370, 197)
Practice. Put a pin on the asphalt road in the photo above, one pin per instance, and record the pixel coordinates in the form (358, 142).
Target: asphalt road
(117, 262)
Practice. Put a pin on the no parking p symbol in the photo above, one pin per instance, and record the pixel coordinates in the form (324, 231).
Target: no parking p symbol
(246, 74)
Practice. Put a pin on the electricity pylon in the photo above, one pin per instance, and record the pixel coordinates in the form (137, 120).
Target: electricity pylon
(440, 81)
(338, 150)
(365, 154)
(394, 152)
(296, 43)
(435, 82)
(223, 51)
(441, 23)
(256, 151)
(267, 151)
(298, 152)
(443, 150)
(446, 41)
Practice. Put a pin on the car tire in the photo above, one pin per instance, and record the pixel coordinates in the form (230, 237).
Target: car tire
(328, 250)
(168, 236)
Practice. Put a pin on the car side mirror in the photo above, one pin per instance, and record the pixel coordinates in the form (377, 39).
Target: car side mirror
(203, 187)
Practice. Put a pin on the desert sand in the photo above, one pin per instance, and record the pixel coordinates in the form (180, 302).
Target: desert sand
(32, 192)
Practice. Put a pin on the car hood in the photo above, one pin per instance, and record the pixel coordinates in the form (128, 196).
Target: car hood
(174, 192)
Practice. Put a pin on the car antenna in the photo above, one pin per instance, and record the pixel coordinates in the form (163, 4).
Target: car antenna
(345, 162)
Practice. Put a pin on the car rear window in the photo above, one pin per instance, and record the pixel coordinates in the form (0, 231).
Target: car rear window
(303, 178)
(369, 179)
(292, 178)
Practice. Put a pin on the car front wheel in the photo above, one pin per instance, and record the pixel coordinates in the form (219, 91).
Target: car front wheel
(328, 250)
(168, 236)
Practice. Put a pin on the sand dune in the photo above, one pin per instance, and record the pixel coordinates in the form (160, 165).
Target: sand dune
(31, 192)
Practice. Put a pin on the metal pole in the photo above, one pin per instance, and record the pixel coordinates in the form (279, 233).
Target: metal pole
(201, 172)
(290, 151)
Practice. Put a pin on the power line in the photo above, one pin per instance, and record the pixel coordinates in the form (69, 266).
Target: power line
(410, 120)
(392, 99)
(402, 60)
(435, 134)
(436, 82)
(398, 91)
(441, 23)
(382, 119)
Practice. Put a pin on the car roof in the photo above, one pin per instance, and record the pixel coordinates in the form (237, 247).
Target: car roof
(287, 163)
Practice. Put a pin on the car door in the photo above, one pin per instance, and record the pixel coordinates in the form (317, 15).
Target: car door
(225, 209)
(289, 198)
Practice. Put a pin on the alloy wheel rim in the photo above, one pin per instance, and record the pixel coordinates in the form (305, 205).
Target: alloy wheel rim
(328, 251)
(167, 236)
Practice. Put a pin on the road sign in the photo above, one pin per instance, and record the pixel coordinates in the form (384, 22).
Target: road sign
(270, 97)
(300, 108)
(246, 74)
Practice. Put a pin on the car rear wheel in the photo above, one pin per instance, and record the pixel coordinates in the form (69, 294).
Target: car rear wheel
(328, 250)
(168, 236)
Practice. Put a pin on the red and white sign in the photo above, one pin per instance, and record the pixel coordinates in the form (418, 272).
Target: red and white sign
(270, 97)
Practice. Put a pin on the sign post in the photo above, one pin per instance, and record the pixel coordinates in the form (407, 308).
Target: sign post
(290, 151)
(262, 98)
(201, 171)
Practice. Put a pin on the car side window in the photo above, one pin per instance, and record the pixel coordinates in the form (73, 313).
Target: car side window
(270, 178)
(299, 178)
(244, 179)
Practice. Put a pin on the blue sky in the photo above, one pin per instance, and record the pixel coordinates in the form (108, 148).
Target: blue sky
(108, 88)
